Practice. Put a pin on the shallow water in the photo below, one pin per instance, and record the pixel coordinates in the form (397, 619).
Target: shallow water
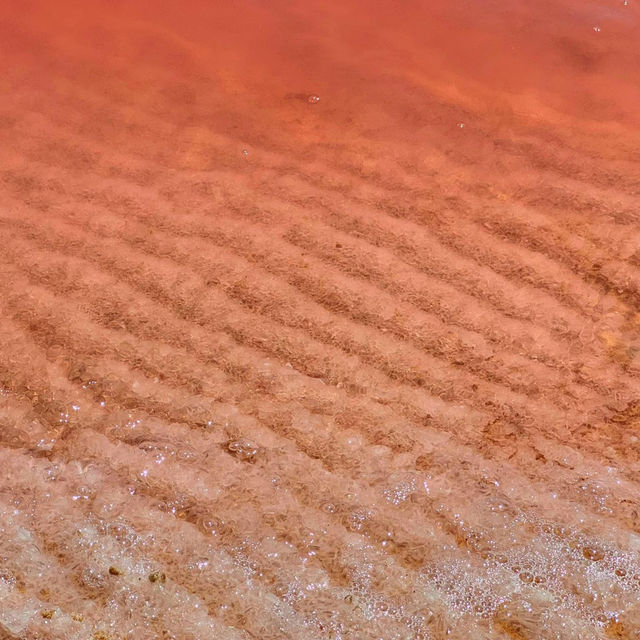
(320, 320)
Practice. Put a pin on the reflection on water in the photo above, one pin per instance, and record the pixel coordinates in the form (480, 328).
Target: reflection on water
(320, 320)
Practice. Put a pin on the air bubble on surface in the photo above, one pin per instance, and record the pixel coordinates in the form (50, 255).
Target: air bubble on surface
(313, 99)
(328, 507)
(45, 444)
(400, 487)
(593, 554)
(244, 450)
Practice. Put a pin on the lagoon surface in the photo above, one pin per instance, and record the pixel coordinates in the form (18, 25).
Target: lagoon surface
(320, 320)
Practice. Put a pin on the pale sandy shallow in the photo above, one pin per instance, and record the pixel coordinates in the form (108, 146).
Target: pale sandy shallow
(319, 320)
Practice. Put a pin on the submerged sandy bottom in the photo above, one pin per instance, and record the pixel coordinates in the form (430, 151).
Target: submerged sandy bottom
(319, 320)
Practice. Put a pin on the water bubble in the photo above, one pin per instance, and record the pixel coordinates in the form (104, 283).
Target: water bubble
(426, 616)
(210, 526)
(313, 99)
(243, 449)
(329, 507)
(593, 554)
(45, 444)
(597, 29)
(245, 152)
(461, 125)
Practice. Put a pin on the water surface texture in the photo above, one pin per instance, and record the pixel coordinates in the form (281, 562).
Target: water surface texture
(319, 320)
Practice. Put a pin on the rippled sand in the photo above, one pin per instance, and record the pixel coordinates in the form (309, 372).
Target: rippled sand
(320, 320)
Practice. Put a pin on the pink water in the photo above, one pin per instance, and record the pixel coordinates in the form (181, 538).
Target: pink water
(320, 320)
